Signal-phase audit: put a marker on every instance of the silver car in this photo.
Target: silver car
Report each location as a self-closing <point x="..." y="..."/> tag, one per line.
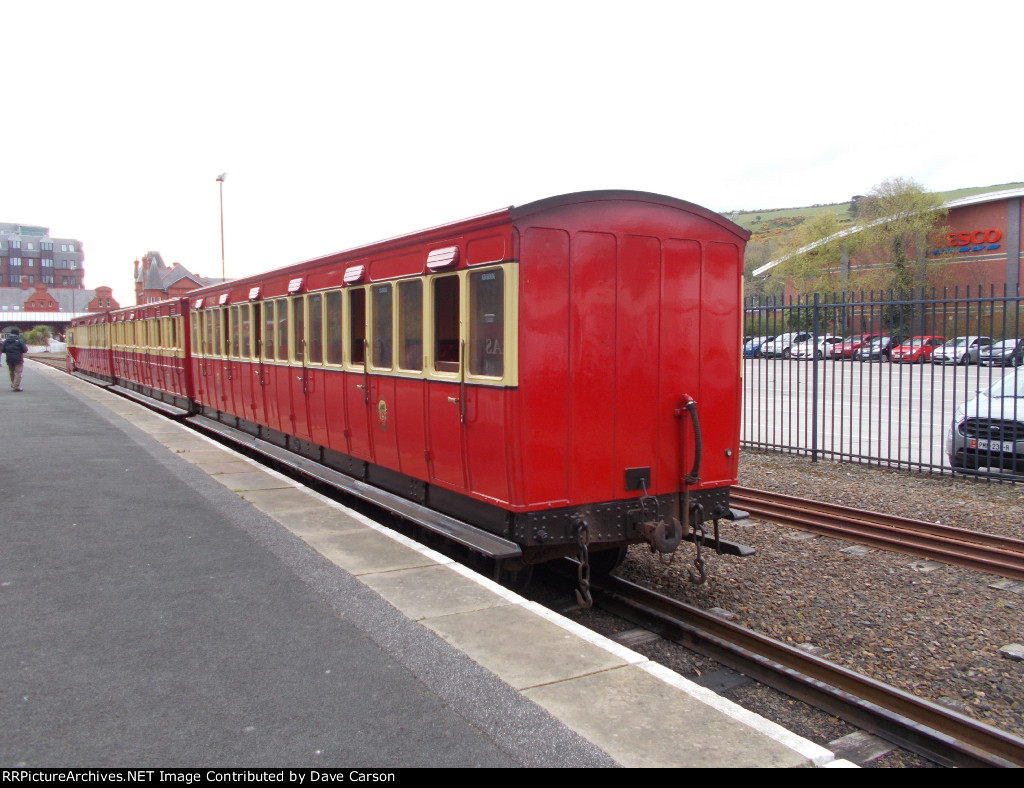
<point x="989" y="429"/>
<point x="1008" y="353"/>
<point x="961" y="350"/>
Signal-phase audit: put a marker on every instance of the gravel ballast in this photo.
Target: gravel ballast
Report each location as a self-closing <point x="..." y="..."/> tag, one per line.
<point x="945" y="633"/>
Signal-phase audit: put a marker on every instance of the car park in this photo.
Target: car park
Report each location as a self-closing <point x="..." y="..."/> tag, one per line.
<point x="989" y="429"/>
<point x="782" y="345"/>
<point x="916" y="349"/>
<point x="960" y="350"/>
<point x="752" y="347"/>
<point x="1006" y="353"/>
<point x="807" y="349"/>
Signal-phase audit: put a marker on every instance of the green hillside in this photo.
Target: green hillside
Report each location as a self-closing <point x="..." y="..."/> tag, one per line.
<point x="770" y="222"/>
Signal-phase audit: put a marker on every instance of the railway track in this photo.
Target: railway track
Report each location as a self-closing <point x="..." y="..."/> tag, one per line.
<point x="939" y="734"/>
<point x="986" y="552"/>
<point x="932" y="731"/>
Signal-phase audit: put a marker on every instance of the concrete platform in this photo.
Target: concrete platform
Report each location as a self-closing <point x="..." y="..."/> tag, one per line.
<point x="167" y="601"/>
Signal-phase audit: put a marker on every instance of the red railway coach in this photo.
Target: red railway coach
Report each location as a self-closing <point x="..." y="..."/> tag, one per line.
<point x="564" y="375"/>
<point x="144" y="350"/>
<point x="88" y="340"/>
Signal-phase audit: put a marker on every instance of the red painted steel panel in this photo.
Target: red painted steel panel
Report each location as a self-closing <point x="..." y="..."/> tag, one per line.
<point x="384" y="421"/>
<point x="720" y="392"/>
<point x="359" y="422"/>
<point x="636" y="357"/>
<point x="300" y="388"/>
<point x="445" y="436"/>
<point x="593" y="382"/>
<point x="485" y="250"/>
<point x="681" y="356"/>
<point x="317" y="405"/>
<point x="397" y="265"/>
<point x="544" y="364"/>
<point x="409" y="422"/>
<point x="486" y="436"/>
<point x="335" y="421"/>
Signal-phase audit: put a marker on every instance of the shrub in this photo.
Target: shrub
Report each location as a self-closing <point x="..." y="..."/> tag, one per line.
<point x="37" y="335"/>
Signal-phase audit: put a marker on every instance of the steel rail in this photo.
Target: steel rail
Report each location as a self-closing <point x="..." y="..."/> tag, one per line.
<point x="940" y="734"/>
<point x="986" y="552"/>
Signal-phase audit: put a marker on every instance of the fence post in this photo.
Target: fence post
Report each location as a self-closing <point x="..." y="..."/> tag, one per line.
<point x="816" y="327"/>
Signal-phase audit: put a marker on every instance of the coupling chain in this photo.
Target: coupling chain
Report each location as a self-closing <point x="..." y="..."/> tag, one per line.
<point x="583" y="596"/>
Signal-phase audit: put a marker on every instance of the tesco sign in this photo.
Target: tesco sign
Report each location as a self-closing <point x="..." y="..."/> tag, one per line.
<point x="970" y="241"/>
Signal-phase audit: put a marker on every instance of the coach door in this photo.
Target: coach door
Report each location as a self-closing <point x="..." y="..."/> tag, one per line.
<point x="257" y="376"/>
<point x="269" y="363"/>
<point x="300" y="382"/>
<point x="447" y="391"/>
<point x="357" y="376"/>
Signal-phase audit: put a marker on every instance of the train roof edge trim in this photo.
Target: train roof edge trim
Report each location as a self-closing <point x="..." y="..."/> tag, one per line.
<point x="601" y="195"/>
<point x="439" y="231"/>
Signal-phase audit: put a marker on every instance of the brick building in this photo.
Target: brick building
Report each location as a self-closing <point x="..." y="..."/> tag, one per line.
<point x="155" y="280"/>
<point x="42" y="279"/>
<point x="29" y="252"/>
<point x="979" y="245"/>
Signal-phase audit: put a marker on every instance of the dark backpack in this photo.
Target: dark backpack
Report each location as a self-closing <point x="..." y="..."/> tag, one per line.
<point x="14" y="348"/>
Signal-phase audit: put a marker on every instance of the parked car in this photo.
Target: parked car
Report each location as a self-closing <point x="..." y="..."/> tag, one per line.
<point x="851" y="345"/>
<point x="917" y="349"/>
<point x="752" y="347"/>
<point x="960" y="350"/>
<point x="989" y="429"/>
<point x="1008" y="353"/>
<point x="782" y="345"/>
<point x="807" y="349"/>
<point x="878" y="349"/>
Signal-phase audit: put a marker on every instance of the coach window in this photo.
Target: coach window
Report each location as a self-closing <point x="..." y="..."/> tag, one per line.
<point x="208" y="332"/>
<point x="236" y="335"/>
<point x="410" y="325"/>
<point x="446" y="323"/>
<point x="382" y="313"/>
<point x="487" y="323"/>
<point x="316" y="329"/>
<point x="299" y="327"/>
<point x="268" y="331"/>
<point x="219" y="330"/>
<point x="245" y="350"/>
<point x="194" y="319"/>
<point x="334" y="323"/>
<point x="357" y="326"/>
<point x="282" y="329"/>
<point x="225" y="319"/>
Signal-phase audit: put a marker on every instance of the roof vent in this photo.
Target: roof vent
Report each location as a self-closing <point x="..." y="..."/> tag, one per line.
<point x="439" y="259"/>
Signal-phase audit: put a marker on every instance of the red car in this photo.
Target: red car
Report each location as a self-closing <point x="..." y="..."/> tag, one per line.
<point x="850" y="345"/>
<point x="917" y="349"/>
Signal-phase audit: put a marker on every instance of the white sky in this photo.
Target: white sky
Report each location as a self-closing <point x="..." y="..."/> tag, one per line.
<point x="342" y="123"/>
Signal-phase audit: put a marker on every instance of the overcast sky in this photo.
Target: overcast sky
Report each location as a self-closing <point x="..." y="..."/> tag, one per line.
<point x="342" y="123"/>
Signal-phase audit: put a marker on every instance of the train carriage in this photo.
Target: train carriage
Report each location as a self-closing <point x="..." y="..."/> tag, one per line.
<point x="561" y="374"/>
<point x="88" y="340"/>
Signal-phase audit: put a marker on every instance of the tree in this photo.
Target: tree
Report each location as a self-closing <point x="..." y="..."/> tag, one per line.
<point x="897" y="216"/>
<point x="889" y="240"/>
<point x="37" y="335"/>
<point x="811" y="255"/>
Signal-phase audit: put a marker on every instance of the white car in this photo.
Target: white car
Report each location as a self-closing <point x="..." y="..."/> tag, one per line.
<point x="989" y="429"/>
<point x="961" y="350"/>
<point x="782" y="345"/>
<point x="806" y="349"/>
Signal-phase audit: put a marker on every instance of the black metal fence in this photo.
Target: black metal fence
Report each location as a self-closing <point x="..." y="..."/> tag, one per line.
<point x="874" y="378"/>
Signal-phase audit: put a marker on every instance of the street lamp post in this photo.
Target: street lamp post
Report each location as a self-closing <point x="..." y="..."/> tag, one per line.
<point x="220" y="180"/>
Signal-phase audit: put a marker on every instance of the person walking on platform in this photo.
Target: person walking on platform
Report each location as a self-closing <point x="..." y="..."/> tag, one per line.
<point x="14" y="348"/>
